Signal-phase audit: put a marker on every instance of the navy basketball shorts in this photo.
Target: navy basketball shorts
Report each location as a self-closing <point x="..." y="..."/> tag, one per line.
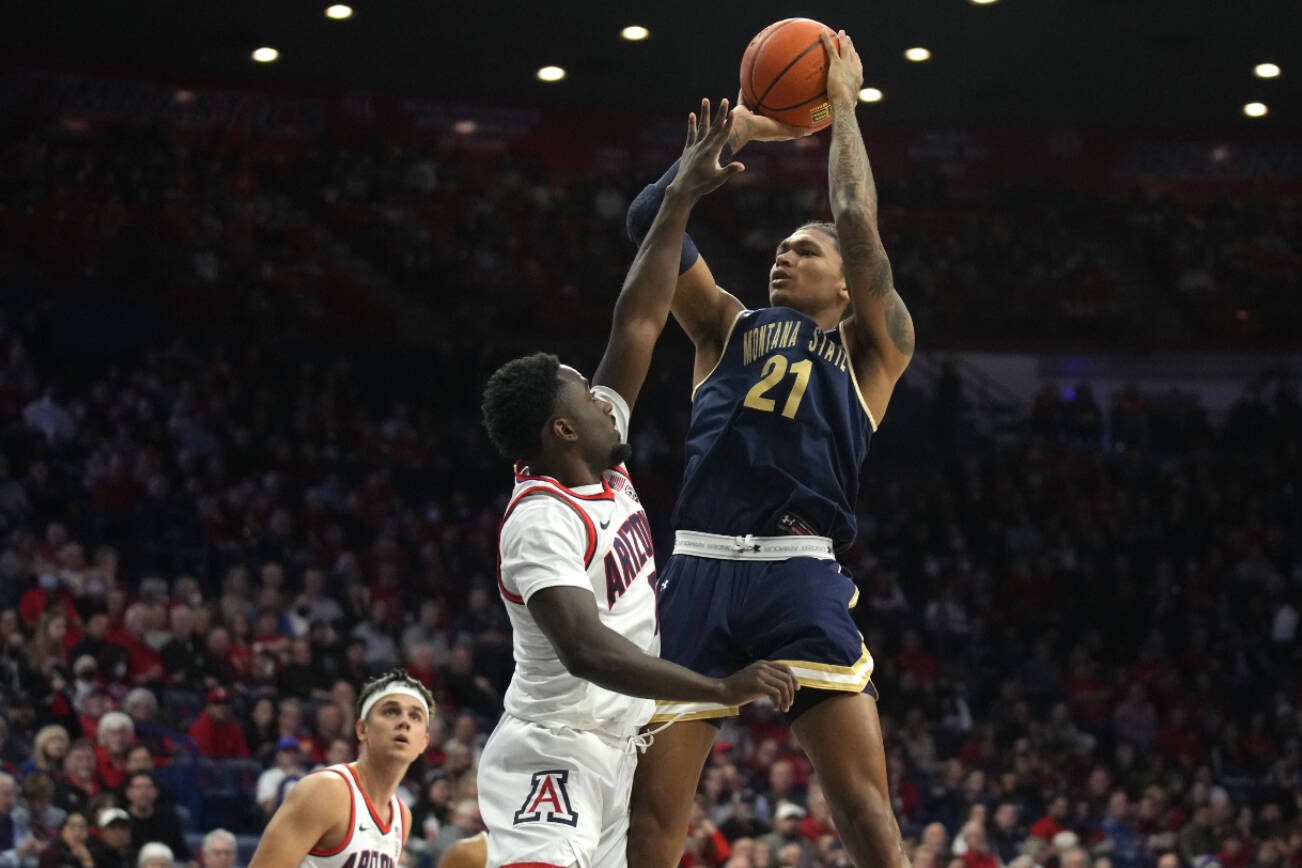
<point x="719" y="615"/>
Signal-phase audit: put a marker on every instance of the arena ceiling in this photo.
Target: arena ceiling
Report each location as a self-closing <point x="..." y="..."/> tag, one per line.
<point x="1174" y="64"/>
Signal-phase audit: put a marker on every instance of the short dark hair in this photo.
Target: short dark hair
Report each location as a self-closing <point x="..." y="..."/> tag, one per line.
<point x="519" y="398"/>
<point x="397" y="675"/>
<point x="822" y="226"/>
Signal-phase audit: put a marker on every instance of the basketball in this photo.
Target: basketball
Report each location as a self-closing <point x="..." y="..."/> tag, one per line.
<point x="784" y="73"/>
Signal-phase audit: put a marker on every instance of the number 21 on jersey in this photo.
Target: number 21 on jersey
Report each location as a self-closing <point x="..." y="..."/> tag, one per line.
<point x="776" y="368"/>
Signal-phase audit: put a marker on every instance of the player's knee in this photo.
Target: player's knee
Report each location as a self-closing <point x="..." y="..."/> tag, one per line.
<point x="645" y="823"/>
<point x="650" y="839"/>
<point x="863" y="805"/>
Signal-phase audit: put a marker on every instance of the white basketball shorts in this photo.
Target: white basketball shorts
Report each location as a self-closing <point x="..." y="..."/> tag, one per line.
<point x="555" y="797"/>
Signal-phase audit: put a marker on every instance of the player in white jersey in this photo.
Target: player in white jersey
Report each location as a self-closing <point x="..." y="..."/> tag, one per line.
<point x="576" y="571"/>
<point x="347" y="815"/>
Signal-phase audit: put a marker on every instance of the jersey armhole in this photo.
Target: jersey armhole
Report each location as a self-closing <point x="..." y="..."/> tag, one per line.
<point x="723" y="351"/>
<point x="854" y="378"/>
<point x="352" y="818"/>
<point x="544" y="491"/>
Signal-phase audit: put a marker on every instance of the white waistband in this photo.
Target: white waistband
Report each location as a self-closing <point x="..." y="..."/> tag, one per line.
<point x="750" y="547"/>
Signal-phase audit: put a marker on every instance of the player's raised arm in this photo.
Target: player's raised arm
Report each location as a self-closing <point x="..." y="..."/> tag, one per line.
<point x="309" y="812"/>
<point x="881" y="329"/>
<point x="643" y="305"/>
<point x="702" y="308"/>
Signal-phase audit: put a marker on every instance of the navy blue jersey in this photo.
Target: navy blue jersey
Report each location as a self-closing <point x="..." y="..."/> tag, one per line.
<point x="779" y="432"/>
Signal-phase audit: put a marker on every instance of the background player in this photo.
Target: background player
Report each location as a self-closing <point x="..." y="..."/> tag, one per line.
<point x="348" y="814"/>
<point x="785" y="403"/>
<point x="577" y="572"/>
<point x="469" y="852"/>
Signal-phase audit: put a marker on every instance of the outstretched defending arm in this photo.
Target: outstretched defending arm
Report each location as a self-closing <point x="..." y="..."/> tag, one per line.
<point x="881" y="330"/>
<point x="643" y="305"/>
<point x="702" y="308"/>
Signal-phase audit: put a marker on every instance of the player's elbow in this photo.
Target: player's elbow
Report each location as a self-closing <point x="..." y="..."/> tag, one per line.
<point x="573" y="655"/>
<point x="853" y="219"/>
<point x="587" y="659"/>
<point x="641" y="213"/>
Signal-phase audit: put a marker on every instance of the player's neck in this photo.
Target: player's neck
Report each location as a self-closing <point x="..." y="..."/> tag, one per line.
<point x="826" y="320"/>
<point x="569" y="470"/>
<point x="380" y="780"/>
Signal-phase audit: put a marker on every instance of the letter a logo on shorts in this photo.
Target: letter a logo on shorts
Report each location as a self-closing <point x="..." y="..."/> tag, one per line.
<point x="548" y="800"/>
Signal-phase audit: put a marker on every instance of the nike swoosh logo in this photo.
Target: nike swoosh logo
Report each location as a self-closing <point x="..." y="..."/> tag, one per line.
<point x="361" y="828"/>
<point x="605" y="524"/>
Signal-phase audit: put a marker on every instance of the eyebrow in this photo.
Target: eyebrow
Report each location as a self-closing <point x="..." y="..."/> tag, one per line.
<point x="390" y="703"/>
<point x="787" y="243"/>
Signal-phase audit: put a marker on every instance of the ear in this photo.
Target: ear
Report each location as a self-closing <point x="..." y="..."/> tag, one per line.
<point x="563" y="430"/>
<point x="359" y="729"/>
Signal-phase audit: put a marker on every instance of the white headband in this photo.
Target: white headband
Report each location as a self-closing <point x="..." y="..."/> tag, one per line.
<point x="396" y="689"/>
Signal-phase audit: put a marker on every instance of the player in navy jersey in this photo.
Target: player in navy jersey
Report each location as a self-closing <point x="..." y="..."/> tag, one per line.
<point x="785" y="403"/>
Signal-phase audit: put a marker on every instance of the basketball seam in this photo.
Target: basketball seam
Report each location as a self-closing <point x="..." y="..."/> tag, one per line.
<point x="755" y="62"/>
<point x="787" y="108"/>
<point x="785" y="70"/>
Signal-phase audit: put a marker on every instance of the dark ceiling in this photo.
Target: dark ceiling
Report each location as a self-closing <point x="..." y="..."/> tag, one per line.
<point x="1173" y="64"/>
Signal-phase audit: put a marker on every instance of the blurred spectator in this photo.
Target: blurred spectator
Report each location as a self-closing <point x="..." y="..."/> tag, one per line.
<point x="78" y="781"/>
<point x="432" y="806"/>
<point x="69" y="849"/>
<point x="36" y="815"/>
<point x="219" y="849"/>
<point x="185" y="657"/>
<point x="142" y="705"/>
<point x="464" y="822"/>
<point x="112" y="848"/>
<point x="1052" y="822"/>
<point x="976" y="851"/>
<point x="17" y="843"/>
<point x="1006" y="833"/>
<point x="155" y="855"/>
<point x="110" y="658"/>
<point x="151" y="822"/>
<point x="215" y="732"/>
<point x="260" y="729"/>
<point x="786" y="831"/>
<point x="274" y="783"/>
<point x="48" y="750"/>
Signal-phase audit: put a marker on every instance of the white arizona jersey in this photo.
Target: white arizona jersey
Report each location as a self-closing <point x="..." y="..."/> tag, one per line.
<point x="369" y="843"/>
<point x="595" y="537"/>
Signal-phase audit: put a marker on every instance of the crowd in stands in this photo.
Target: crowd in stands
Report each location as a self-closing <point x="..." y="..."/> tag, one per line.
<point x="1086" y="637"/>
<point x="472" y="229"/>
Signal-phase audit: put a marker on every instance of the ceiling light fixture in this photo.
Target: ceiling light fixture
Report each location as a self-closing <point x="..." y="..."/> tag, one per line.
<point x="635" y="33"/>
<point x="266" y="54"/>
<point x="1256" y="110"/>
<point x="917" y="54"/>
<point x="870" y="94"/>
<point x="339" y="11"/>
<point x="550" y="73"/>
<point x="1266" y="70"/>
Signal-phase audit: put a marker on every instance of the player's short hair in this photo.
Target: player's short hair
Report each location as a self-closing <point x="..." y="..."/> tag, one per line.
<point x="519" y="399"/>
<point x="825" y="227"/>
<point x="378" y="685"/>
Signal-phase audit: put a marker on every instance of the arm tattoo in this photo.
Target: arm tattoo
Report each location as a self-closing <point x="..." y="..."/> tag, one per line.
<point x="899" y="325"/>
<point x="850" y="177"/>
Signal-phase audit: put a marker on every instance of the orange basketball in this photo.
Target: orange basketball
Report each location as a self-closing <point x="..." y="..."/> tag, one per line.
<point x="784" y="73"/>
